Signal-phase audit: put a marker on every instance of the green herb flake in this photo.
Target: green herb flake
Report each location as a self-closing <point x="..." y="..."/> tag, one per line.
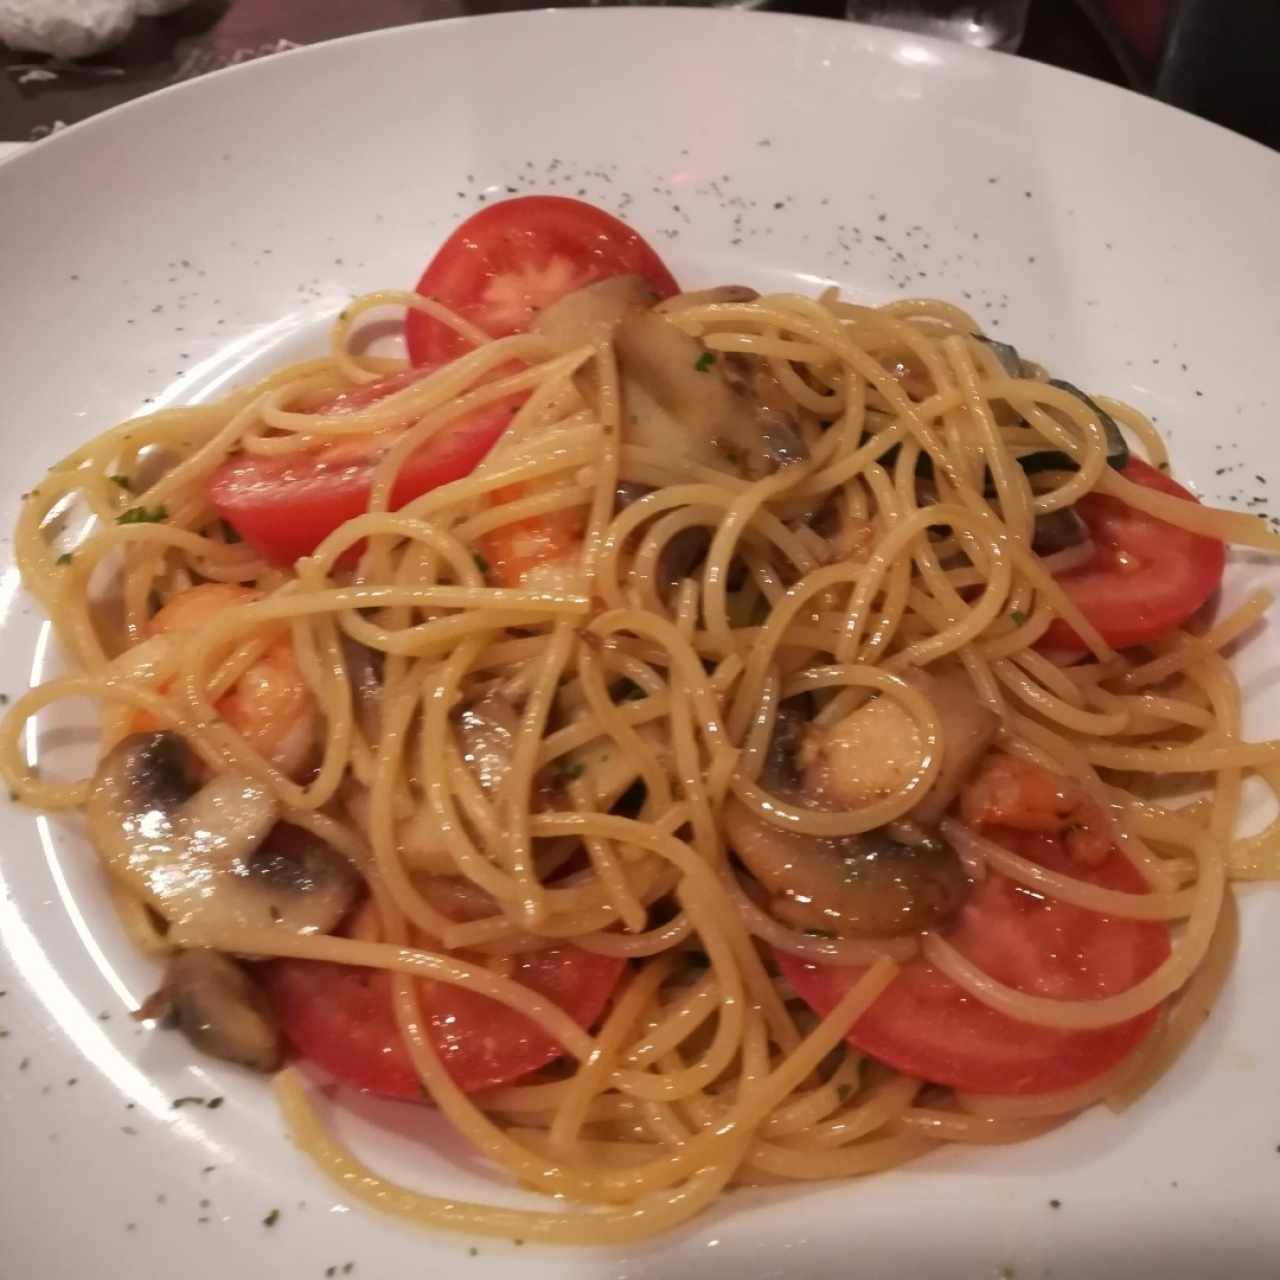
<point x="123" y="481"/>
<point x="704" y="362"/>
<point x="190" y="1100"/>
<point x="143" y="515"/>
<point x="1018" y="617"/>
<point x="631" y="692"/>
<point x="820" y="933"/>
<point x="64" y="558"/>
<point x="214" y="1103"/>
<point x="272" y="1218"/>
<point x="574" y="771"/>
<point x="844" y="1092"/>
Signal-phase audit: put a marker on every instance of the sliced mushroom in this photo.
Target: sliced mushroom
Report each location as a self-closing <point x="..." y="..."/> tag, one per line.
<point x="364" y="670"/>
<point x="588" y="316"/>
<point x="883" y="882"/>
<point x="683" y="554"/>
<point x="219" y="1008"/>
<point x="721" y="294"/>
<point x="1058" y="531"/>
<point x="867" y="886"/>
<point x="487" y="730"/>
<point x="627" y="492"/>
<point x="877" y="749"/>
<point x="678" y="398"/>
<point x="200" y="854"/>
<point x="969" y="727"/>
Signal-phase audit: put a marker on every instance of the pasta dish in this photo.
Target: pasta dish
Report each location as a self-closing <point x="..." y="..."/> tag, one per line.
<point x="690" y="738"/>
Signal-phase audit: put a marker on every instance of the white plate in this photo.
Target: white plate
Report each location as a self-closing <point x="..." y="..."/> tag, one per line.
<point x="174" y="246"/>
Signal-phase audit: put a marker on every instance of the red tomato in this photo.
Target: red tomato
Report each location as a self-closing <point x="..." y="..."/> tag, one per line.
<point x="925" y="1026"/>
<point x="1146" y="576"/>
<point x="341" y="1018"/>
<point x="284" y="507"/>
<point x="512" y="260"/>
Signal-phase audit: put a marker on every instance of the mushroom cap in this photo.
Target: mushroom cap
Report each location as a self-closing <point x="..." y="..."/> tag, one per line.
<point x="200" y="854"/>
<point x="219" y="1008"/>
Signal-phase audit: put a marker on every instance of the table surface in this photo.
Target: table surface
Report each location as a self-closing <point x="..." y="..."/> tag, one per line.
<point x="208" y="34"/>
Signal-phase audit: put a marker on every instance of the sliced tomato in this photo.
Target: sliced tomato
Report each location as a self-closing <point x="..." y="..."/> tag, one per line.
<point x="285" y="506"/>
<point x="510" y="261"/>
<point x="926" y="1026"/>
<point x="341" y="1019"/>
<point x="1146" y="577"/>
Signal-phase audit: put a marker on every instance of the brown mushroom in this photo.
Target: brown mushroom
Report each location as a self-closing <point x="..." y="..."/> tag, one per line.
<point x="219" y="1008"/>
<point x="866" y="886"/>
<point x="720" y="295"/>
<point x="200" y="854"/>
<point x="487" y="731"/>
<point x="678" y="399"/>
<point x="883" y="882"/>
<point x="588" y="316"/>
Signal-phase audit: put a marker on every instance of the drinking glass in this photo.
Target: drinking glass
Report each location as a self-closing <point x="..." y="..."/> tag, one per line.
<point x="995" y="25"/>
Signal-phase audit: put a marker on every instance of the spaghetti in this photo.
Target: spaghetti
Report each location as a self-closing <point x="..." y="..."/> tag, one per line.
<point x="654" y="721"/>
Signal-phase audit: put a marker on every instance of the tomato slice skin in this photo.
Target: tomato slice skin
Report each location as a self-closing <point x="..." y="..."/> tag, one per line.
<point x="513" y="259"/>
<point x="285" y="506"/>
<point x="1146" y="577"/>
<point x="926" y="1026"/>
<point x="341" y="1019"/>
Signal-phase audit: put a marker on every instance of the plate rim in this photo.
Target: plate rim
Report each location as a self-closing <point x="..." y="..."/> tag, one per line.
<point x="872" y="37"/>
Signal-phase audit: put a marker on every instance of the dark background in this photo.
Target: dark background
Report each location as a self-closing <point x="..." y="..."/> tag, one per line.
<point x="1219" y="58"/>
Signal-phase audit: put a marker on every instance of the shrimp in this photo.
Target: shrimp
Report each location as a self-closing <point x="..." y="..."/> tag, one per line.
<point x="538" y="551"/>
<point x="270" y="705"/>
<point x="1010" y="792"/>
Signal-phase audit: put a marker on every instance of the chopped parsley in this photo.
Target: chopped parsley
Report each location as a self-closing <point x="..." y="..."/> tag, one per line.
<point x="143" y="515"/>
<point x="195" y="1100"/>
<point x="820" y="933"/>
<point x="1018" y="617"/>
<point x="272" y="1218"/>
<point x="844" y="1092"/>
<point x="572" y="772"/>
<point x="631" y="691"/>
<point x="123" y="481"/>
<point x="704" y="362"/>
<point x="64" y="558"/>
